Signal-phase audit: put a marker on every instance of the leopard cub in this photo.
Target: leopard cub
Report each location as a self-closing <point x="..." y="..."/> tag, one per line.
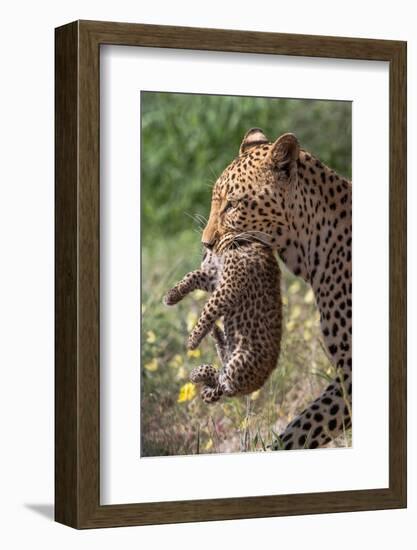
<point x="245" y="287"/>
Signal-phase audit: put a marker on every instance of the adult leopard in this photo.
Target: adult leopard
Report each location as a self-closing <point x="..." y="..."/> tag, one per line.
<point x="281" y="194"/>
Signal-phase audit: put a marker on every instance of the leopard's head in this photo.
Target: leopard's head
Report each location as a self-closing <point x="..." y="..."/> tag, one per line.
<point x="249" y="198"/>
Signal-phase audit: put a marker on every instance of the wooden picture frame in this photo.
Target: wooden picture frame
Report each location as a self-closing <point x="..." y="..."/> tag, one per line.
<point x="77" y="374"/>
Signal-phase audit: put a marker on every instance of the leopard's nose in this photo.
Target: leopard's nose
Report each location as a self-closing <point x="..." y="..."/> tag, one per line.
<point x="209" y="236"/>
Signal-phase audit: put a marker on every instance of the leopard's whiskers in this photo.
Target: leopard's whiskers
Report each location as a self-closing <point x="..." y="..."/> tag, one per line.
<point x="253" y="235"/>
<point x="202" y="218"/>
<point x="195" y="219"/>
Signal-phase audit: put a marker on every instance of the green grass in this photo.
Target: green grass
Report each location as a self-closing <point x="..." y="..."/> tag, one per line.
<point x="187" y="141"/>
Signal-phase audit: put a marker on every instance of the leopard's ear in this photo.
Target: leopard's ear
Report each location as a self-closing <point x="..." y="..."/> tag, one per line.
<point x="254" y="136"/>
<point x="285" y="150"/>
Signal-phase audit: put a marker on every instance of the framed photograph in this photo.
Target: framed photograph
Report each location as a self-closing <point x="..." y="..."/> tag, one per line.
<point x="219" y="277"/>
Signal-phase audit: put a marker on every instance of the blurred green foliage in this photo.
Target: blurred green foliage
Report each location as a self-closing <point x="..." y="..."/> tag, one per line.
<point x="188" y="140"/>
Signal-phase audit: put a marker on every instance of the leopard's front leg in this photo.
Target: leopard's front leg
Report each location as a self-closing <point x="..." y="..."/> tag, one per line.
<point x="194" y="280"/>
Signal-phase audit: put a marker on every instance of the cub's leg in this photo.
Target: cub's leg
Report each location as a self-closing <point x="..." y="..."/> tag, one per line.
<point x="223" y="299"/>
<point x="216" y="306"/>
<point x="238" y="375"/>
<point x="194" y="280"/>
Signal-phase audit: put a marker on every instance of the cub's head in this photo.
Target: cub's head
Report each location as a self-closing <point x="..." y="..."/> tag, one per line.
<point x="249" y="198"/>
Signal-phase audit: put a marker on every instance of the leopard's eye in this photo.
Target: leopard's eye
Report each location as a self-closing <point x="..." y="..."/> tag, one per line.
<point x="227" y="207"/>
<point x="230" y="204"/>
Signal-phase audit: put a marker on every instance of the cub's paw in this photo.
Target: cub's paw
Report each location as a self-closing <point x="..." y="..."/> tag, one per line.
<point x="205" y="374"/>
<point x="192" y="341"/>
<point x="171" y="297"/>
<point x="210" y="395"/>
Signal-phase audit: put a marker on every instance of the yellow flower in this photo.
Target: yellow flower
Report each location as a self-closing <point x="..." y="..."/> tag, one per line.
<point x="255" y="395"/>
<point x="309" y="296"/>
<point x="290" y="326"/>
<point x="294" y="287"/>
<point x="307" y="335"/>
<point x="208" y="445"/>
<point x="199" y="294"/>
<point x="152" y="366"/>
<point x="187" y="392"/>
<point x="295" y="312"/>
<point x="176" y="361"/>
<point x="194" y="353"/>
<point x="191" y="321"/>
<point x="150" y="337"/>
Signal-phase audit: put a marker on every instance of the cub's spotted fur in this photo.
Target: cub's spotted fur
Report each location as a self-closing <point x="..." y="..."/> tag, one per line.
<point x="245" y="285"/>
